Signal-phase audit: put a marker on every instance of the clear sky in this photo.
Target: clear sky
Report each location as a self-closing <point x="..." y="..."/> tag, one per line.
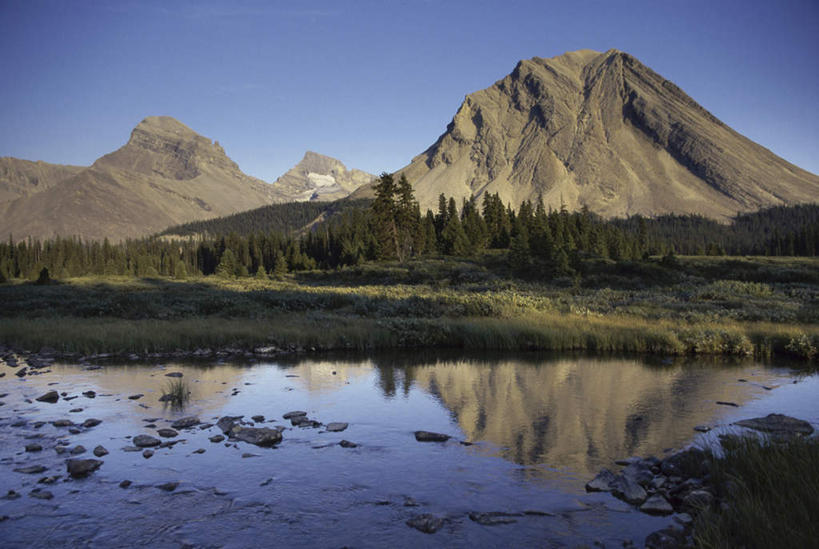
<point x="372" y="83"/>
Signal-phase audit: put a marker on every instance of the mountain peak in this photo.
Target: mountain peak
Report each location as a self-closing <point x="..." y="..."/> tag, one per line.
<point x="165" y="147"/>
<point x="318" y="177"/>
<point x="605" y="131"/>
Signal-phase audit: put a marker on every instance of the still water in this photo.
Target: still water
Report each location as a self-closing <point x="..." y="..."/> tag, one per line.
<point x="539" y="427"/>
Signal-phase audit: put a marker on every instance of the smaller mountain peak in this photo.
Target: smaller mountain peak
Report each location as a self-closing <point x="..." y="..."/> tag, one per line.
<point x="164" y="124"/>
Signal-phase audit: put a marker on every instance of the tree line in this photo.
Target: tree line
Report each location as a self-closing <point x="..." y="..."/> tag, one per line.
<point x="535" y="241"/>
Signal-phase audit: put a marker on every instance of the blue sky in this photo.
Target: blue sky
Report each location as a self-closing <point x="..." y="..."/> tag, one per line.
<point x="372" y="83"/>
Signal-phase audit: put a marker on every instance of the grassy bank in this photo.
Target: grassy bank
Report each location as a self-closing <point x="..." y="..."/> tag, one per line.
<point x="769" y="307"/>
<point x="771" y="495"/>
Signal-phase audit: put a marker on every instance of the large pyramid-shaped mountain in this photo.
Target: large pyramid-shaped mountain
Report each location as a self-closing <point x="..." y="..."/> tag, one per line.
<point x="602" y="130"/>
<point x="165" y="175"/>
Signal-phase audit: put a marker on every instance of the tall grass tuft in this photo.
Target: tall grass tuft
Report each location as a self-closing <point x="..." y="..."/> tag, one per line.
<point x="770" y="491"/>
<point x="177" y="392"/>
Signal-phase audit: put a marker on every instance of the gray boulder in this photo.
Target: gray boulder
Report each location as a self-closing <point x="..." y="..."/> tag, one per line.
<point x="80" y="468"/>
<point x="260" y="436"/>
<point x="426" y="523"/>
<point x="602" y="482"/>
<point x="776" y="424"/>
<point x="185" y="422"/>
<point x="50" y="397"/>
<point x="428" y="436"/>
<point x="336" y="427"/>
<point x="145" y="441"/>
<point x="628" y="490"/>
<point x="657" y="505"/>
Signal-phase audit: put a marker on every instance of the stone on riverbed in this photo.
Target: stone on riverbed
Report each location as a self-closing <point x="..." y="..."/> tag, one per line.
<point x="174" y="374"/>
<point x="33" y="448"/>
<point x="91" y="422"/>
<point x="628" y="490"/>
<point x="167" y="433"/>
<point x="50" y="397"/>
<point x="336" y="427"/>
<point x="217" y="438"/>
<point x="79" y="468"/>
<point x="657" y="505"/>
<point x="291" y="415"/>
<point x="100" y="451"/>
<point x="185" y="422"/>
<point x="602" y="482"/>
<point x="226" y="423"/>
<point x="778" y="425"/>
<point x="426" y="523"/>
<point x="260" y="436"/>
<point x="428" y="436"/>
<point x="31" y="470"/>
<point x="145" y="441"/>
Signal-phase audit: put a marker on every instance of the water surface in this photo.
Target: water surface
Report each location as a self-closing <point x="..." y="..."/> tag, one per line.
<point x="538" y="427"/>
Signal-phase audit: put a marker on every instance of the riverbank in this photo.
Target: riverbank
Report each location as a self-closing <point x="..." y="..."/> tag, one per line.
<point x="760" y="307"/>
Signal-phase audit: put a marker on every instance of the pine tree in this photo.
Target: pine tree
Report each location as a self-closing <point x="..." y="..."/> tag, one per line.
<point x="227" y="265"/>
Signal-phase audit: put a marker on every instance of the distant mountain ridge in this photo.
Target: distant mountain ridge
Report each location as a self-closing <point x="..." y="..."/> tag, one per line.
<point x="165" y="175"/>
<point x="318" y="177"/>
<point x="604" y="131"/>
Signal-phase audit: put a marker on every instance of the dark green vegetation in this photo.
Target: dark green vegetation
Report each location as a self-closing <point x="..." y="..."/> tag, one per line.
<point x="176" y="391"/>
<point x="771" y="494"/>
<point x="537" y="244"/>
<point x="705" y="305"/>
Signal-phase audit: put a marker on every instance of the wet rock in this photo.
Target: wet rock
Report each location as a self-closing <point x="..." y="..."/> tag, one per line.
<point x="304" y="421"/>
<point x="216" y="438"/>
<point x="100" y="451"/>
<point x="493" y="518"/>
<point x="226" y="423"/>
<point x="260" y="436"/>
<point x="702" y="428"/>
<point x="428" y="436"/>
<point x="74" y="430"/>
<point x="60" y="450"/>
<point x="199" y="451"/>
<point x="639" y="472"/>
<point x="125" y="484"/>
<point x="410" y="502"/>
<point x="657" y="505"/>
<point x="146" y="441"/>
<point x="91" y="422"/>
<point x="50" y="397"/>
<point x="49" y="480"/>
<point x="168" y="486"/>
<point x="89" y="394"/>
<point x="75" y="410"/>
<point x="11" y="495"/>
<point x="667" y="538"/>
<point x="336" y="427"/>
<point x="167" y="433"/>
<point x="347" y="444"/>
<point x="426" y="523"/>
<point x="80" y="468"/>
<point x="174" y="374"/>
<point x="291" y="415"/>
<point x="41" y="494"/>
<point x="628" y="490"/>
<point x="147" y="454"/>
<point x="778" y="425"/>
<point x="171" y="443"/>
<point x="690" y="463"/>
<point x="22" y="372"/>
<point x="77" y="450"/>
<point x="30" y="470"/>
<point x="249" y="455"/>
<point x="136" y="396"/>
<point x="725" y="403"/>
<point x="34" y="448"/>
<point x="258" y="419"/>
<point x="684" y="519"/>
<point x="602" y="482"/>
<point x="698" y="499"/>
<point x="185" y="422"/>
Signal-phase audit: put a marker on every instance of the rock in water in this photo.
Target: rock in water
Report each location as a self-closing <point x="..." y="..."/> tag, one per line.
<point x="50" y="397"/>
<point x="91" y="422"/>
<point x="336" y="427"/>
<point x="428" y="436"/>
<point x="628" y="490"/>
<point x="100" y="451"/>
<point x="31" y="470"/>
<point x="291" y="415"/>
<point x="426" y="523"/>
<point x="227" y="423"/>
<point x="602" y="482"/>
<point x="657" y="505"/>
<point x="260" y="436"/>
<point x="778" y="425"/>
<point x="167" y="433"/>
<point x="146" y="441"/>
<point x="185" y="422"/>
<point x="79" y="468"/>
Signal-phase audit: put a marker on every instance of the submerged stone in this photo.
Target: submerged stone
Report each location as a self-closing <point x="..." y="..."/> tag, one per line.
<point x="80" y="468"/>
<point x="428" y="436"/>
<point x="778" y="425"/>
<point x="426" y="523"/>
<point x="50" y="397"/>
<point x="602" y="482"/>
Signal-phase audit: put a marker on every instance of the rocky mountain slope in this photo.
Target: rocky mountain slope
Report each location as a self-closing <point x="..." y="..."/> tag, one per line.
<point x="165" y="175"/>
<point x="24" y="178"/>
<point x="602" y="130"/>
<point x="318" y="177"/>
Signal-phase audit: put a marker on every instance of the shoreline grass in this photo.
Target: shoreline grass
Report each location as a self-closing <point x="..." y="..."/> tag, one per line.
<point x="770" y="494"/>
<point x="324" y="331"/>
